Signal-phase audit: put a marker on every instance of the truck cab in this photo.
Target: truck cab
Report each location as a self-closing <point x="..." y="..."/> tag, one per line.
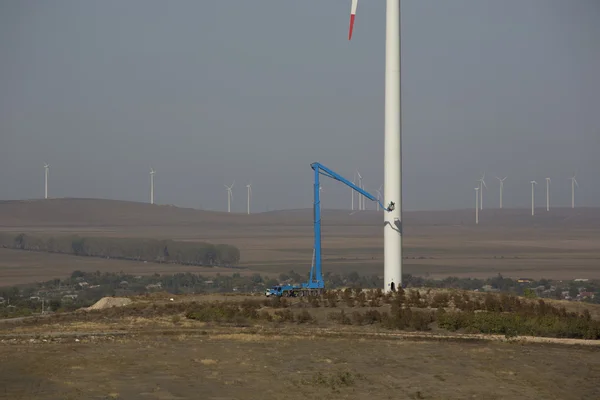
<point x="279" y="290"/>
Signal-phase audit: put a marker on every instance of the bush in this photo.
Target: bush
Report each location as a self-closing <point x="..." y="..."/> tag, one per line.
<point x="285" y="315"/>
<point x="304" y="317"/>
<point x="371" y="317"/>
<point x="440" y="300"/>
<point x="361" y="299"/>
<point x="339" y="317"/>
<point x="315" y="302"/>
<point x="265" y="316"/>
<point x="357" y="318"/>
<point x="511" y="324"/>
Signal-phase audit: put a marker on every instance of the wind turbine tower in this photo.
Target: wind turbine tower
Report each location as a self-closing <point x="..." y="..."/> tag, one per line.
<point x="152" y="172"/>
<point x="533" y="183"/>
<point x="352" y="191"/>
<point x="360" y="196"/>
<point x="249" y="187"/>
<point x="229" y="196"/>
<point x="501" y="189"/>
<point x="379" y="196"/>
<point x="46" y="170"/>
<point x="477" y="205"/>
<point x="548" y="194"/>
<point x="392" y="230"/>
<point x="573" y="184"/>
<point x="481" y="186"/>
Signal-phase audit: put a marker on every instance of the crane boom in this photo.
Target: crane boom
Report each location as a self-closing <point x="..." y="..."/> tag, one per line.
<point x="316" y="282"/>
<point x="316" y="274"/>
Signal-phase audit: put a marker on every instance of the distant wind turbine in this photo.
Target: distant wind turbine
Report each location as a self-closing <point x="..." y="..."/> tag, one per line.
<point x="573" y="184"/>
<point x="249" y="187"/>
<point x="229" y="196"/>
<point x="379" y="196"/>
<point x="360" y="197"/>
<point x="548" y="194"/>
<point x="152" y="172"/>
<point x="477" y="205"/>
<point x="46" y="170"/>
<point x="533" y="183"/>
<point x="352" y="190"/>
<point x="501" y="189"/>
<point x="481" y="186"/>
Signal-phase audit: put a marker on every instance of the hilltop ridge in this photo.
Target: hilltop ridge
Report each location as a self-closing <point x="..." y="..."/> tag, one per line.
<point x="79" y="212"/>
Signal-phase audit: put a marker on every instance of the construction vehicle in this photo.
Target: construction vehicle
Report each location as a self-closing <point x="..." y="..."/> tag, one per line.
<point x="316" y="285"/>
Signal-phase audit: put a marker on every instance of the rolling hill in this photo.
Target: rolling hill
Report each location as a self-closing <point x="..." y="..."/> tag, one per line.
<point x="102" y="213"/>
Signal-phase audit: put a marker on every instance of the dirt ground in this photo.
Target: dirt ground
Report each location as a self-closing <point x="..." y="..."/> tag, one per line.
<point x="235" y="366"/>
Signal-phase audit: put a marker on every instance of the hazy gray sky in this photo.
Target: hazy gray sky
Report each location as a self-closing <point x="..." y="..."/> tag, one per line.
<point x="212" y="91"/>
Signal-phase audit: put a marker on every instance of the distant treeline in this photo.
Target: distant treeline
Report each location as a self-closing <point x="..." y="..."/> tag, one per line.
<point x="138" y="249"/>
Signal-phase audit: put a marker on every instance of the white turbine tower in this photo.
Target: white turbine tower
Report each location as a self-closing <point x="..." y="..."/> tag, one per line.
<point x="229" y="196"/>
<point x="249" y="187"/>
<point x="533" y="183"/>
<point x="392" y="230"/>
<point x="548" y="194"/>
<point x="352" y="191"/>
<point x="152" y="172"/>
<point x="379" y="196"/>
<point x="360" y="196"/>
<point x="46" y="170"/>
<point x="501" y="189"/>
<point x="481" y="186"/>
<point x="477" y="205"/>
<point x="573" y="184"/>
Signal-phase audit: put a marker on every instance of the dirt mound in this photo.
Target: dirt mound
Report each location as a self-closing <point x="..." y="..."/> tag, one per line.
<point x="109" y="302"/>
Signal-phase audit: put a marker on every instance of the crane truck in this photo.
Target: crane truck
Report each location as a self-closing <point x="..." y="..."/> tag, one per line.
<point x="316" y="285"/>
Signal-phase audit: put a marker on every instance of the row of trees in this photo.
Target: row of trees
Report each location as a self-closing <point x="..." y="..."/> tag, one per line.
<point x="153" y="250"/>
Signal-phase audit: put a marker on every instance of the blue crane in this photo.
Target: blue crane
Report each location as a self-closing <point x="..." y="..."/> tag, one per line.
<point x="316" y="284"/>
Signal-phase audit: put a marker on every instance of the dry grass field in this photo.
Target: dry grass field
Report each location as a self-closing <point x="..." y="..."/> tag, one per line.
<point x="562" y="244"/>
<point x="107" y="355"/>
<point x="218" y="367"/>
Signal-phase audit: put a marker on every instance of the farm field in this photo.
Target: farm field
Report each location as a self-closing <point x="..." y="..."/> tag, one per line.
<point x="564" y="245"/>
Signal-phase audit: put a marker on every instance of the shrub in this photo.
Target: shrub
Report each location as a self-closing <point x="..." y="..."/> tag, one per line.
<point x="265" y="316"/>
<point x="339" y="317"/>
<point x="361" y="299"/>
<point x="414" y="298"/>
<point x="358" y="318"/>
<point x="285" y="315"/>
<point x="420" y="320"/>
<point x="371" y="317"/>
<point x="304" y="317"/>
<point x="440" y="300"/>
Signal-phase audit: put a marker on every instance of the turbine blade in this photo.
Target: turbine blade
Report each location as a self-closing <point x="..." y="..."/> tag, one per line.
<point x="352" y="17"/>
